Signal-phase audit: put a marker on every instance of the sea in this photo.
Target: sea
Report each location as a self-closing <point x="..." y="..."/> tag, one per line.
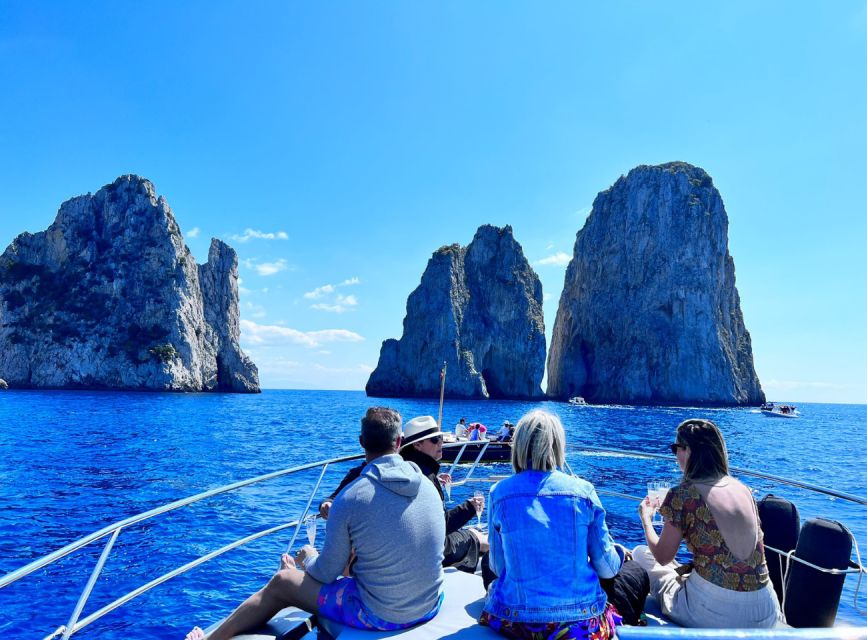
<point x="75" y="461"/>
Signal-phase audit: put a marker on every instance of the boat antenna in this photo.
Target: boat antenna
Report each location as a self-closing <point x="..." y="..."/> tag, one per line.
<point x="442" y="393"/>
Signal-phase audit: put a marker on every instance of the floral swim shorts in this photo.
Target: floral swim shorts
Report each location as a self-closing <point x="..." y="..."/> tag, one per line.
<point x="598" y="628"/>
<point x="341" y="601"/>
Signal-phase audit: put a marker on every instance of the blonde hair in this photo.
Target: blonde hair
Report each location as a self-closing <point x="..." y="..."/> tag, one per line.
<point x="539" y="442"/>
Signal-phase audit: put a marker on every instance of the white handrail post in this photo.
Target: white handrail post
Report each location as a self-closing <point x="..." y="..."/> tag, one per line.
<point x="456" y="460"/>
<point x="70" y="626"/>
<point x="307" y="508"/>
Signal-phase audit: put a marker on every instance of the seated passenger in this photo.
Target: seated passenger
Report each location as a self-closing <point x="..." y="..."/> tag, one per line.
<point x="549" y="544"/>
<point x="461" y="429"/>
<point x="423" y="445"/>
<point x="505" y="432"/>
<point x="717" y="517"/>
<point x="390" y="516"/>
<point x="477" y="431"/>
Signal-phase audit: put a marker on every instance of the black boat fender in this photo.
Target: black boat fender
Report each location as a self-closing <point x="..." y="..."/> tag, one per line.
<point x="780" y="526"/>
<point x="812" y="596"/>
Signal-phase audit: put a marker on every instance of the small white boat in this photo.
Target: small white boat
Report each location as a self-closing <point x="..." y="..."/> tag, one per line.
<point x="577" y="400"/>
<point x="780" y="410"/>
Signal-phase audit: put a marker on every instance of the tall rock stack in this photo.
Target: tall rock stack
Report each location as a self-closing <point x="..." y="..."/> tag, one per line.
<point x="110" y="297"/>
<point x="479" y="309"/>
<point x="649" y="312"/>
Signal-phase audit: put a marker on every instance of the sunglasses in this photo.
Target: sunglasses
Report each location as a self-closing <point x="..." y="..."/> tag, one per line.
<point x="436" y="439"/>
<point x="675" y="446"/>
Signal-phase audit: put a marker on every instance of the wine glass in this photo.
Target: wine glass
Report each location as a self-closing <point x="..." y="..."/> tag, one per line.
<point x="656" y="492"/>
<point x="311" y="530"/>
<point x="479" y="507"/>
<point x="447" y="488"/>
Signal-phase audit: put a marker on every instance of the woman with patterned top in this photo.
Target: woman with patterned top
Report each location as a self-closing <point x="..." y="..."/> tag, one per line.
<point x="716" y="516"/>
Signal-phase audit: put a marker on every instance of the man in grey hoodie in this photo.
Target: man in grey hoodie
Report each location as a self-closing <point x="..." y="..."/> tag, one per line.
<point x="391" y="517"/>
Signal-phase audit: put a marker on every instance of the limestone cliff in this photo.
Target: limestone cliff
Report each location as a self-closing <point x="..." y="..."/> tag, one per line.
<point x="479" y="309"/>
<point x="109" y="296"/>
<point x="649" y="312"/>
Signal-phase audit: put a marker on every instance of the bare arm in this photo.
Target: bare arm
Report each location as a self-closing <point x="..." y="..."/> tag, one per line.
<point x="663" y="547"/>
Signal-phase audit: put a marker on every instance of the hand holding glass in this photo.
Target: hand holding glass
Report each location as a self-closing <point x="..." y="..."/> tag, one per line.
<point x="656" y="492"/>
<point x="446" y="482"/>
<point x="479" y="501"/>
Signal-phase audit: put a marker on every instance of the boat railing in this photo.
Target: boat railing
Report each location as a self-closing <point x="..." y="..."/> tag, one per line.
<point x="76" y="623"/>
<point x="855" y="568"/>
<point x="112" y="531"/>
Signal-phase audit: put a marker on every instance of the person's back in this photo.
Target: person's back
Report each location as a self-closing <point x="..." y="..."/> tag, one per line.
<point x="562" y="515"/>
<point x="720" y="527"/>
<point x="549" y="544"/>
<point x="392" y="515"/>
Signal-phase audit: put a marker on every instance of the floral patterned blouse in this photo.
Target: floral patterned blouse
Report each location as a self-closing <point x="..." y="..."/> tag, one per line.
<point x="686" y="509"/>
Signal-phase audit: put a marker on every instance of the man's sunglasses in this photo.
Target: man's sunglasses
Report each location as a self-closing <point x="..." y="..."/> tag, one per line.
<point x="675" y="446"/>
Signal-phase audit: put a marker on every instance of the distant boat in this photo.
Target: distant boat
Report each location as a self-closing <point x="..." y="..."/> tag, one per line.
<point x="780" y="410"/>
<point x="468" y="451"/>
<point x="577" y="400"/>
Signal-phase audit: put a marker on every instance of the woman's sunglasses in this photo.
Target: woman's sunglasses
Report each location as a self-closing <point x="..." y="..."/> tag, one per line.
<point x="674" y="447"/>
<point x="436" y="439"/>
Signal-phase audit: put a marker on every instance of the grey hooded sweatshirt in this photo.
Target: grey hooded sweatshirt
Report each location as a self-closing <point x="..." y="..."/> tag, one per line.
<point x="392" y="516"/>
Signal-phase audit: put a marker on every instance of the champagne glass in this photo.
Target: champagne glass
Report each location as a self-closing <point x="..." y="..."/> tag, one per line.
<point x="447" y="488"/>
<point x="311" y="530"/>
<point x="479" y="508"/>
<point x="656" y="492"/>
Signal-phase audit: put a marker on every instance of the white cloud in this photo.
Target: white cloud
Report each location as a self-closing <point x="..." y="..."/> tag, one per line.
<point x="194" y="232"/>
<point x="546" y="296"/>
<point x="250" y="234"/>
<point x="359" y="368"/>
<point x="560" y="259"/>
<point x="242" y="289"/>
<point x="341" y="304"/>
<point x="253" y="310"/>
<point x="318" y="292"/>
<point x="273" y="335"/>
<point x="270" y="268"/>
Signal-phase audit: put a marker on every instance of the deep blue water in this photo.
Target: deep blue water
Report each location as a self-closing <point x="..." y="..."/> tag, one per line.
<point x="73" y="462"/>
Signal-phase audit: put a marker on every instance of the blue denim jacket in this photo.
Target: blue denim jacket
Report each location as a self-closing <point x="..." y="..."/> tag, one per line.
<point x="549" y="547"/>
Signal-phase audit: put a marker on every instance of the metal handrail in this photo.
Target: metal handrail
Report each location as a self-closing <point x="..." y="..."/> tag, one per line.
<point x="14" y="576"/>
<point x="748" y="472"/>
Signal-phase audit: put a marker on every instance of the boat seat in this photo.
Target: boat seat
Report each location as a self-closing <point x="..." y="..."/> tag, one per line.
<point x="289" y="624"/>
<point x="456" y="620"/>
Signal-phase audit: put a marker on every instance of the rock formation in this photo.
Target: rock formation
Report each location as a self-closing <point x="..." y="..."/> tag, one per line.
<point x="479" y="309"/>
<point x="649" y="312"/>
<point x="110" y="297"/>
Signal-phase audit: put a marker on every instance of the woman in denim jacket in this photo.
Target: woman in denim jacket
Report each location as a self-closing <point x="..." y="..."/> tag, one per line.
<point x="555" y="592"/>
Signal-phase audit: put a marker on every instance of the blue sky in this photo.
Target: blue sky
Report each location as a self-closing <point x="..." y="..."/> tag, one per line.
<point x="337" y="145"/>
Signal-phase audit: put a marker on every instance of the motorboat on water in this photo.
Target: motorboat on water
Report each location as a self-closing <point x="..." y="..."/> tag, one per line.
<point x="463" y="592"/>
<point x="778" y="410"/>
<point x="468" y="451"/>
<point x="577" y="400"/>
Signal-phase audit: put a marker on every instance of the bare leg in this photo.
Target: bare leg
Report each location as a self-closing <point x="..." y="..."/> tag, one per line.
<point x="289" y="587"/>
